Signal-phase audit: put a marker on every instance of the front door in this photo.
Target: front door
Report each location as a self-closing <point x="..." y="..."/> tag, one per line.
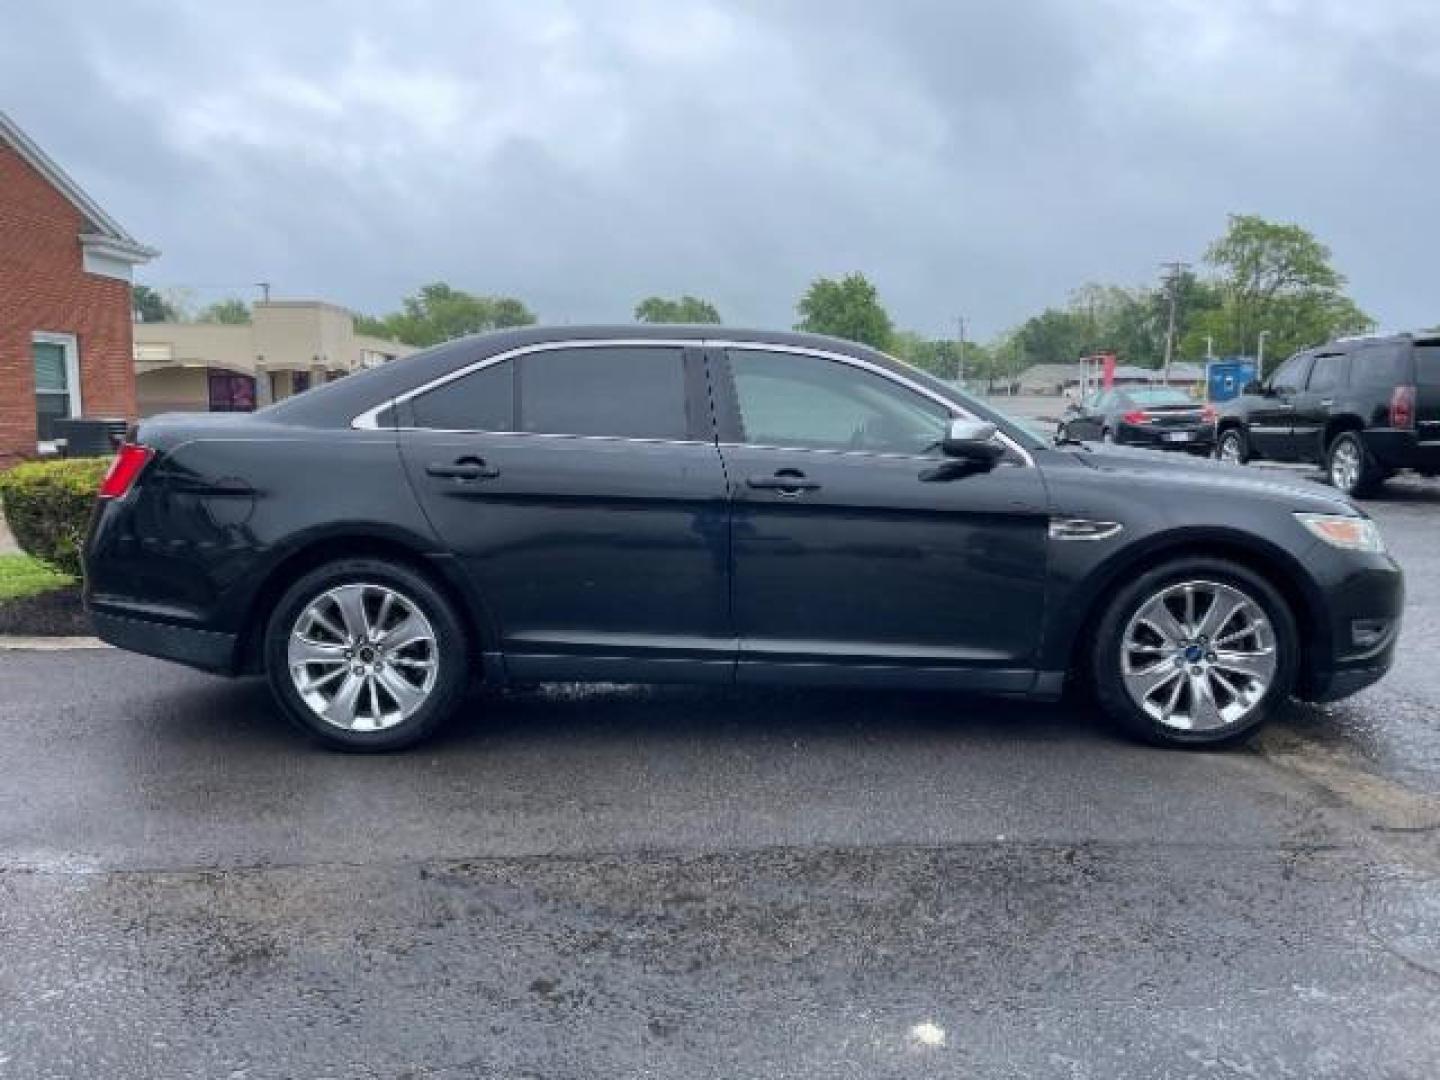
<point x="854" y="548"/>
<point x="1088" y="421"/>
<point x="1329" y="379"/>
<point x="1272" y="419"/>
<point x="582" y="490"/>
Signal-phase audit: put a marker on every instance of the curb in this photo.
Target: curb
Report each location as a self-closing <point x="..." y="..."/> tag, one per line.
<point x="22" y="643"/>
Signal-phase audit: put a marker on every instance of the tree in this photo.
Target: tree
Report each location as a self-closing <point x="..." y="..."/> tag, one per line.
<point x="439" y="312"/>
<point x="150" y="306"/>
<point x="687" y="309"/>
<point x="849" y="308"/>
<point x="938" y="356"/>
<point x="231" y="311"/>
<point x="1276" y="277"/>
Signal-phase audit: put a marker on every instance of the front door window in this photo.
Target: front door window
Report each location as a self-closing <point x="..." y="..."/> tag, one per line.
<point x="808" y="402"/>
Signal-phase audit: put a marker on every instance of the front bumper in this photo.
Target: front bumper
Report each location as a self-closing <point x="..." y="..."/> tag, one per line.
<point x="1355" y="644"/>
<point x="208" y="650"/>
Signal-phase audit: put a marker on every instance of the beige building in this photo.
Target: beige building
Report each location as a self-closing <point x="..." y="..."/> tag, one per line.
<point x="288" y="346"/>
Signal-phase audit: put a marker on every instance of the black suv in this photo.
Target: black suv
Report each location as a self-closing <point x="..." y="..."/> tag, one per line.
<point x="1364" y="408"/>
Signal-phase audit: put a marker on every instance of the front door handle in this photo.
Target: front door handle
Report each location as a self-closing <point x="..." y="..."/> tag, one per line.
<point x="785" y="481"/>
<point x="465" y="468"/>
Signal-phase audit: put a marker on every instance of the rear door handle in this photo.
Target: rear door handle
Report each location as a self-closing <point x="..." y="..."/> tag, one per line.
<point x="785" y="481"/>
<point x="465" y="468"/>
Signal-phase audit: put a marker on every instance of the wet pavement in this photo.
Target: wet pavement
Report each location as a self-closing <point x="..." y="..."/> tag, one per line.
<point x="687" y="882"/>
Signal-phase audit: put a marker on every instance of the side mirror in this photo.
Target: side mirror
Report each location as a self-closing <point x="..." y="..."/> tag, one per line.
<point x="973" y="441"/>
<point x="1253" y="388"/>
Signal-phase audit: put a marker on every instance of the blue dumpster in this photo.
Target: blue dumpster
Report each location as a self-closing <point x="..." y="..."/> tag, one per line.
<point x="1224" y="379"/>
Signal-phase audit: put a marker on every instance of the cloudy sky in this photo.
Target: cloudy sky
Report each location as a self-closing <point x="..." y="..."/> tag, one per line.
<point x="970" y="157"/>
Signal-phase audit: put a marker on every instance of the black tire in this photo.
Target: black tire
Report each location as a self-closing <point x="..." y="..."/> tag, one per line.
<point x="1367" y="479"/>
<point x="450" y="651"/>
<point x="1236" y="436"/>
<point x="1106" y="663"/>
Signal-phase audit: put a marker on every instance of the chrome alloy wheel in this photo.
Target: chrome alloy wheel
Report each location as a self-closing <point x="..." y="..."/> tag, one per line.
<point x="1230" y="447"/>
<point x="1198" y="655"/>
<point x="1345" y="465"/>
<point x="363" y="657"/>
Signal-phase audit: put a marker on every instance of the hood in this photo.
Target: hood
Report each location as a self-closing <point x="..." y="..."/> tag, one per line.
<point x="1153" y="467"/>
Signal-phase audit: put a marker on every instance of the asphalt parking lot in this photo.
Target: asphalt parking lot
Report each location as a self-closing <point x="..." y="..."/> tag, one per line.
<point x="614" y="881"/>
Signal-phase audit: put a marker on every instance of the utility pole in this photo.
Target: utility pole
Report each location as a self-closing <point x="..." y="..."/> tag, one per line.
<point x="960" y="374"/>
<point x="1260" y="354"/>
<point x="1172" y="280"/>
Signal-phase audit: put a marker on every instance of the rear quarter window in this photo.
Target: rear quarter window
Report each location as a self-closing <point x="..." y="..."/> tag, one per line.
<point x="1427" y="365"/>
<point x="1387" y="364"/>
<point x="484" y="400"/>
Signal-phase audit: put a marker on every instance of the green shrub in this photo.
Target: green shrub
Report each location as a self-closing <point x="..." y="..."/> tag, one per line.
<point x="47" y="505"/>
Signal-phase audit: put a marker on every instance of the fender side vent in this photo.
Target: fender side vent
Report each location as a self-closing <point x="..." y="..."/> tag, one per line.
<point x="1083" y="529"/>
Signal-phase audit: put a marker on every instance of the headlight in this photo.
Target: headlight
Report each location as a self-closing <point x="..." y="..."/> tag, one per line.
<point x="1344" y="531"/>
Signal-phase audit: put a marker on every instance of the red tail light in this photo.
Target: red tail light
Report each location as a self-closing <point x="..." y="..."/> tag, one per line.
<point x="129" y="463"/>
<point x="1402" y="407"/>
<point x="1208" y="414"/>
<point x="1137" y="416"/>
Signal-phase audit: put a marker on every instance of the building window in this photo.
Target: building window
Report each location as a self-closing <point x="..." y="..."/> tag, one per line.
<point x="230" y="392"/>
<point x="57" y="381"/>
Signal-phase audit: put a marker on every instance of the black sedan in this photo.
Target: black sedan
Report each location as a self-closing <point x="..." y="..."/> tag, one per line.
<point x="1160" y="417"/>
<point x="719" y="506"/>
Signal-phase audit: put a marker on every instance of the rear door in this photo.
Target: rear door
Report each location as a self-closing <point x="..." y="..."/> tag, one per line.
<point x="1329" y="381"/>
<point x="580" y="487"/>
<point x="1272" y="419"/>
<point x="853" y="549"/>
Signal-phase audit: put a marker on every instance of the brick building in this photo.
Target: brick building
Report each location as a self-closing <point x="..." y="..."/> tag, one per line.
<point x="65" y="323"/>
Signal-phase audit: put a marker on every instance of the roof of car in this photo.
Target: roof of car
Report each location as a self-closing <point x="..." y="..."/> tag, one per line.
<point x="1384" y="335"/>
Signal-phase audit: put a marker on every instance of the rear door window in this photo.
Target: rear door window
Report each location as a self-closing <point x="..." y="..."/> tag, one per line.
<point x="1331" y="371"/>
<point x="630" y="392"/>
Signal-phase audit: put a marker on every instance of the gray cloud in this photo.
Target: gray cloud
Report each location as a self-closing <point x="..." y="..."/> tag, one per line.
<point x="979" y="158"/>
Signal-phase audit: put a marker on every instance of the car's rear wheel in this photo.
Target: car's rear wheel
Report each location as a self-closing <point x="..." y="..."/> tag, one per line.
<point x="1350" y="466"/>
<point x="1232" y="447"/>
<point x="1195" y="653"/>
<point x="366" y="654"/>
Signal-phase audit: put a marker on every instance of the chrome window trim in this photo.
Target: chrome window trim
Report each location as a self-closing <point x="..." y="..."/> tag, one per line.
<point x="865" y="365"/>
<point x="366" y="421"/>
<point x="556" y="435"/>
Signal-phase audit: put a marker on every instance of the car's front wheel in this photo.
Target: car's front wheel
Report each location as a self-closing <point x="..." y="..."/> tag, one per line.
<point x="366" y="654"/>
<point x="1195" y="653"/>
